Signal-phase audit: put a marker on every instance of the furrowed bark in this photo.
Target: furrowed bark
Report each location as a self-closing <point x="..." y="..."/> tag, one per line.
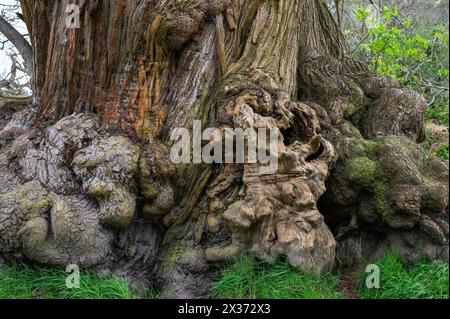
<point x="91" y="166"/>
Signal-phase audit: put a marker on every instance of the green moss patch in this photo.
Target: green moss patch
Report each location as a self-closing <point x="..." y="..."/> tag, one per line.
<point x="362" y="170"/>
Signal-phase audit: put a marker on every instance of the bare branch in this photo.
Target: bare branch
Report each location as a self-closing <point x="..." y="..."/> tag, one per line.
<point x="19" y="42"/>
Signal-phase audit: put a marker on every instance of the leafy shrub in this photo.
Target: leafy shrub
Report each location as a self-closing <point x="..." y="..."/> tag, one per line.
<point x="438" y="113"/>
<point x="418" y="60"/>
<point x="443" y="153"/>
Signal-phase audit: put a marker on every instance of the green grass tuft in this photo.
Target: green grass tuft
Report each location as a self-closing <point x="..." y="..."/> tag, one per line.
<point x="21" y="282"/>
<point x="247" y="279"/>
<point x="425" y="280"/>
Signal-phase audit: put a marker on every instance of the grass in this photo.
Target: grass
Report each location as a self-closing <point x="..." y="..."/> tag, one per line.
<point x="425" y="280"/>
<point x="21" y="282"/>
<point x="247" y="279"/>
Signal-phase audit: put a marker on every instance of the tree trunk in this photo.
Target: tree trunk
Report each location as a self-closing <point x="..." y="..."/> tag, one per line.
<point x="88" y="174"/>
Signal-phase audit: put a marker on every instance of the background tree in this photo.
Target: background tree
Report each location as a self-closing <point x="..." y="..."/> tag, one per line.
<point x="86" y="170"/>
<point x="15" y="46"/>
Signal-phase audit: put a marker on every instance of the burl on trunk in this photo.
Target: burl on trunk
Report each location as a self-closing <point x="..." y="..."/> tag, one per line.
<point x="86" y="173"/>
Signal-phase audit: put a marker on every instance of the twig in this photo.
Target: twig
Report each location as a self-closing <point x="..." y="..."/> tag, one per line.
<point x="360" y="42"/>
<point x="435" y="97"/>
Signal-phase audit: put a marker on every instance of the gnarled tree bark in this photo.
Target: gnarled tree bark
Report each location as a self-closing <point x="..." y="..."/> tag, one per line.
<point x="19" y="41"/>
<point x="86" y="171"/>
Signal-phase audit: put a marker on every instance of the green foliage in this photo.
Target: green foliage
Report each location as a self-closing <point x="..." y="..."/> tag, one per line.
<point x="362" y="14"/>
<point x="20" y="282"/>
<point x="438" y="113"/>
<point x="394" y="52"/>
<point x="418" y="60"/>
<point x="443" y="153"/>
<point x="362" y="170"/>
<point x="248" y="279"/>
<point x="425" y="280"/>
